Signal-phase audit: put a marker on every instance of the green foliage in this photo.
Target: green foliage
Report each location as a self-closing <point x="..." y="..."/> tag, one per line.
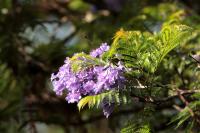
<point x="8" y="84"/>
<point x="188" y="113"/>
<point x="171" y="37"/>
<point x="10" y="93"/>
<point x="163" y="11"/>
<point x="145" y="51"/>
<point x="135" y="128"/>
<point x="183" y="116"/>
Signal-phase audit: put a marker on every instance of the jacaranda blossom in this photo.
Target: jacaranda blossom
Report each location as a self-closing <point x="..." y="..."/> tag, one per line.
<point x="90" y="81"/>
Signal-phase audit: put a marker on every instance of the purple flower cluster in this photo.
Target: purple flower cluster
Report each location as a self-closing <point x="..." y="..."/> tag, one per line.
<point x="90" y="81"/>
<point x="98" y="52"/>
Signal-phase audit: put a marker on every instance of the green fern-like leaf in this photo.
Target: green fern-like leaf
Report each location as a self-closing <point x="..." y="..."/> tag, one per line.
<point x="93" y="100"/>
<point x="171" y="36"/>
<point x="186" y="113"/>
<point x="129" y="129"/>
<point x="181" y="117"/>
<point x="135" y="128"/>
<point x="96" y="100"/>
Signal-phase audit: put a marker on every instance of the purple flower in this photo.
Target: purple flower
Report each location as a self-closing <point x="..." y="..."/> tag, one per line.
<point x="108" y="108"/>
<point x="109" y="78"/>
<point x="59" y="79"/>
<point x="98" y="52"/>
<point x="73" y="97"/>
<point x="89" y="86"/>
<point x="98" y="69"/>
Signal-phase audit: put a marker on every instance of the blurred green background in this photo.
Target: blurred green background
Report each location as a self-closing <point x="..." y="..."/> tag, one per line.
<point x="37" y="35"/>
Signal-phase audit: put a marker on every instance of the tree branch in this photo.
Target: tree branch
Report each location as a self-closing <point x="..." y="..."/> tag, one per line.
<point x="158" y="102"/>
